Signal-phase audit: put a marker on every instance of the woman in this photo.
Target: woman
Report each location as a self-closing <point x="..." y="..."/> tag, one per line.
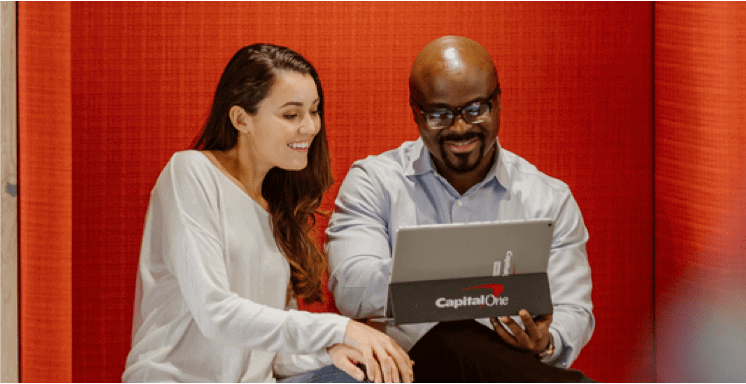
<point x="226" y="247"/>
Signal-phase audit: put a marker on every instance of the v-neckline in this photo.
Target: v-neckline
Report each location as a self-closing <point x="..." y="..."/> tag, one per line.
<point x="233" y="181"/>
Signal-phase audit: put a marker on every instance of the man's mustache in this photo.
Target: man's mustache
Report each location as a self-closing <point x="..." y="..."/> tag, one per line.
<point x="462" y="137"/>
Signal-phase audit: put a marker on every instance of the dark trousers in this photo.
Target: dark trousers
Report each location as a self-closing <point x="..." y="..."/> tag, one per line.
<point x="466" y="351"/>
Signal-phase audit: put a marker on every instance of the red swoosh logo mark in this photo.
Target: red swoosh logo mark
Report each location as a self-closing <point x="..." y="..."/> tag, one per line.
<point x="496" y="289"/>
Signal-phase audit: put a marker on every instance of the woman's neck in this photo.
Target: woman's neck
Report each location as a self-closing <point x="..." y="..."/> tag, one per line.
<point x="239" y="167"/>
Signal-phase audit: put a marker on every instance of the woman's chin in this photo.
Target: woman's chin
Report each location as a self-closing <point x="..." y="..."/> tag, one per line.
<point x="295" y="166"/>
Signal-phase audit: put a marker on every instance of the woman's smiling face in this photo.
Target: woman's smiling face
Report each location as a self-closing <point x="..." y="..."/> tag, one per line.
<point x="285" y="123"/>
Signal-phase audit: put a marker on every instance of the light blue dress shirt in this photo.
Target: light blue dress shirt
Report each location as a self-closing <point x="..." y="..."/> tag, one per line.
<point x="401" y="188"/>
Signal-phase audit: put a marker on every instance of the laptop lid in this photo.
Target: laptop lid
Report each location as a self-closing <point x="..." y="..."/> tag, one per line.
<point x="449" y="251"/>
<point x="464" y="250"/>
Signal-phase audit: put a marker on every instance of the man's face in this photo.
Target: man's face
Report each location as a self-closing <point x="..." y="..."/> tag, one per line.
<point x="462" y="147"/>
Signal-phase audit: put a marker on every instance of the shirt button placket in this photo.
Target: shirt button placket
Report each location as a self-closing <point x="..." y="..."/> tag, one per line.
<point x="457" y="212"/>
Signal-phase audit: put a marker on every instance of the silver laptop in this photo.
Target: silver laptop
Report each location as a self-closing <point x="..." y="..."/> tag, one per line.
<point x="477" y="249"/>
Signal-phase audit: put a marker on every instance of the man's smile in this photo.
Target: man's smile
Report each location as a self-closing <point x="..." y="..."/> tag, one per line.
<point x="462" y="146"/>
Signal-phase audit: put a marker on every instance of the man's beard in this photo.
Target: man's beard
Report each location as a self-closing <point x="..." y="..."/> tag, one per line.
<point x="461" y="163"/>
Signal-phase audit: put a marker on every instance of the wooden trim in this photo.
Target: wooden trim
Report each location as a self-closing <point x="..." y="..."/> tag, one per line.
<point x="8" y="194"/>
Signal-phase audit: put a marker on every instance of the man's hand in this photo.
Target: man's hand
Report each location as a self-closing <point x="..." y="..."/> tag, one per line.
<point x="535" y="336"/>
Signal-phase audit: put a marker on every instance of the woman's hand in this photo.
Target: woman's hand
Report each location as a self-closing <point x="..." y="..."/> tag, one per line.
<point x="384" y="359"/>
<point x="346" y="359"/>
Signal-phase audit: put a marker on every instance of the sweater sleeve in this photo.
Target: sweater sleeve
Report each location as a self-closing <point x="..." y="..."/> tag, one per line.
<point x="185" y="202"/>
<point x="291" y="364"/>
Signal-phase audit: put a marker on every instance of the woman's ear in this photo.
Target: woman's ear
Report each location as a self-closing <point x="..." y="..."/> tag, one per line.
<point x="240" y="119"/>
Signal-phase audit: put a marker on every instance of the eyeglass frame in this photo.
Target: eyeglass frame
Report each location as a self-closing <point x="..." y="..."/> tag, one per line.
<point x="458" y="111"/>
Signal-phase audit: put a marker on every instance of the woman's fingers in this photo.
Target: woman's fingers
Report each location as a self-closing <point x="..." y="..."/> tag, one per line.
<point x="404" y="363"/>
<point x="400" y="362"/>
<point x="388" y="366"/>
<point x="351" y="369"/>
<point x="385" y="360"/>
<point x="345" y="358"/>
<point x="373" y="368"/>
<point x="395" y="362"/>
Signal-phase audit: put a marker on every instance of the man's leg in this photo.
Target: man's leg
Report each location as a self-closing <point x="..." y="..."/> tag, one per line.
<point x="466" y="351"/>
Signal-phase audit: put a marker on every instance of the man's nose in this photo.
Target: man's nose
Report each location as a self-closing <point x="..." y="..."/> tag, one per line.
<point x="459" y="124"/>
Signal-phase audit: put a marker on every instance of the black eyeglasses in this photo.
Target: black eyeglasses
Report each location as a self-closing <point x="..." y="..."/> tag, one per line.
<point x="473" y="113"/>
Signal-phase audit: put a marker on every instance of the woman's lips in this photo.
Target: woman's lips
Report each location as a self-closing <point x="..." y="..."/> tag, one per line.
<point x="301" y="146"/>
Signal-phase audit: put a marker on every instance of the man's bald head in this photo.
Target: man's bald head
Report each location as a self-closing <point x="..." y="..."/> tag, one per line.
<point x="448" y="76"/>
<point x="449" y="61"/>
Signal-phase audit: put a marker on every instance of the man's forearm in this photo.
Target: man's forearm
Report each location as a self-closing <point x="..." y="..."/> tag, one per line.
<point x="360" y="286"/>
<point x="572" y="327"/>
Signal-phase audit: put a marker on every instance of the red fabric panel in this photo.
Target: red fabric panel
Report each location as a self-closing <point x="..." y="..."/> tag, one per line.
<point x="700" y="196"/>
<point x="45" y="210"/>
<point x="577" y="102"/>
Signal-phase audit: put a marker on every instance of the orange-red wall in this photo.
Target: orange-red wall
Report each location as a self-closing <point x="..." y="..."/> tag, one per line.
<point x="108" y="91"/>
<point x="700" y="193"/>
<point x="45" y="214"/>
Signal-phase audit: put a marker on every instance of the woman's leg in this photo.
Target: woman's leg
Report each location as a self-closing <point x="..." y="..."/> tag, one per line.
<point x="328" y="374"/>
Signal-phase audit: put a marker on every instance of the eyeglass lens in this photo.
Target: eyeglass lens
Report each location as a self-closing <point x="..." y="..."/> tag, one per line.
<point x="443" y="118"/>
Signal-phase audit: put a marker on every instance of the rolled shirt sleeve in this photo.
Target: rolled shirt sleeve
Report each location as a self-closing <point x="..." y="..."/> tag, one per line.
<point x="358" y="248"/>
<point x="570" y="283"/>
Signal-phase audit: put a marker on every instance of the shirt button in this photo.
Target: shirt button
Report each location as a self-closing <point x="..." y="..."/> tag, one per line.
<point x="459" y="203"/>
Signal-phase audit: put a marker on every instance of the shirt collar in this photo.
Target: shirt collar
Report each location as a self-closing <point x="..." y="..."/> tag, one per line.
<point x="418" y="160"/>
<point x="498" y="171"/>
<point x="420" y="163"/>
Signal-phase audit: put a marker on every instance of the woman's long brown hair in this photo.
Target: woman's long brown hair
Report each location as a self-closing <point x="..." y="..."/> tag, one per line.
<point x="293" y="196"/>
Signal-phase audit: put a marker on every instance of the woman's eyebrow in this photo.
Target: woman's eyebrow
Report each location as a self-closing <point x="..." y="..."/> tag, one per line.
<point x="296" y="103"/>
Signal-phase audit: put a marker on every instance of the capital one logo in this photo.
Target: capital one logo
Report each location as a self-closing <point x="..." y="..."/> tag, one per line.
<point x="504" y="268"/>
<point x="489" y="300"/>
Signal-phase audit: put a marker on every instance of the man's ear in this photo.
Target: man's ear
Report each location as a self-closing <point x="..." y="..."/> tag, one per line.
<point x="240" y="119"/>
<point x="414" y="112"/>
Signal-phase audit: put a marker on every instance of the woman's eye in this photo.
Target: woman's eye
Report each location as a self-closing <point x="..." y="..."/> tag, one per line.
<point x="290" y="116"/>
<point x="315" y="113"/>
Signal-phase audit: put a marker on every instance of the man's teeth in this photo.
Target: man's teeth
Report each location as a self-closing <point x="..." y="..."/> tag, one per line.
<point x="462" y="143"/>
<point x="303" y="145"/>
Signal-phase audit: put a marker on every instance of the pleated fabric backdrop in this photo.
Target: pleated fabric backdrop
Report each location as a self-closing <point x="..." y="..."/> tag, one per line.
<point x="45" y="211"/>
<point x="108" y="91"/>
<point x="700" y="193"/>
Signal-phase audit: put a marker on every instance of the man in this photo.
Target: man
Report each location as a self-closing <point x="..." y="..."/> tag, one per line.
<point x="457" y="172"/>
